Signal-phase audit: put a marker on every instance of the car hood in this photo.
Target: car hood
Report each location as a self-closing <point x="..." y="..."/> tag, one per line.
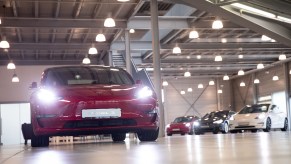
<point x="211" y="120"/>
<point x="177" y="125"/>
<point x="249" y="116"/>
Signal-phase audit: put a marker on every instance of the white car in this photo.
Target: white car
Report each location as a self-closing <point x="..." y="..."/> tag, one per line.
<point x="259" y="116"/>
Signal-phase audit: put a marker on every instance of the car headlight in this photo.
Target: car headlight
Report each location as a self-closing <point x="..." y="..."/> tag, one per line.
<point x="145" y="92"/>
<point x="188" y="124"/>
<point x="261" y="116"/>
<point x="218" y="121"/>
<point x="168" y="126"/>
<point x="196" y="123"/>
<point x="46" y="95"/>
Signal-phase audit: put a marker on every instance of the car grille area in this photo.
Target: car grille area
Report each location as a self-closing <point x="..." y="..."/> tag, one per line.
<point x="99" y="123"/>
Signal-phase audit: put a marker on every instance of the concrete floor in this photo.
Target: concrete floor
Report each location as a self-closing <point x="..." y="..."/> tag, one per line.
<point x="241" y="148"/>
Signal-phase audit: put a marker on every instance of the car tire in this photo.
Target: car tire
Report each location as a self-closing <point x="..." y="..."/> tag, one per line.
<point x="254" y="130"/>
<point x="169" y="134"/>
<point x="285" y="128"/>
<point x="268" y="125"/>
<point x="233" y="131"/>
<point x="225" y="128"/>
<point x="191" y="131"/>
<point x="39" y="141"/>
<point x="215" y="131"/>
<point x="118" y="137"/>
<point x="148" y="135"/>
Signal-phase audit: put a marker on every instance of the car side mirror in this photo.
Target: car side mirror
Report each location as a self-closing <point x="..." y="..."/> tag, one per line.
<point x="138" y="82"/>
<point x="33" y="85"/>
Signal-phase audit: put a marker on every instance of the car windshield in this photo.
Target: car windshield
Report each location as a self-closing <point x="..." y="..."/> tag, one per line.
<point x="64" y="76"/>
<point x="255" y="109"/>
<point x="183" y="119"/>
<point x="217" y="114"/>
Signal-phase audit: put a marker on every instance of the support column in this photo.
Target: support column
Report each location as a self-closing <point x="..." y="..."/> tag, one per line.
<point x="110" y="61"/>
<point x="287" y="92"/>
<point x="218" y="94"/>
<point x="157" y="62"/>
<point x="255" y="89"/>
<point x="127" y="51"/>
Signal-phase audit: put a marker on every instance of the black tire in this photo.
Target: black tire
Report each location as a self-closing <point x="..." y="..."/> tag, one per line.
<point x="118" y="137"/>
<point x="191" y="131"/>
<point x="285" y="128"/>
<point x="225" y="128"/>
<point x="148" y="135"/>
<point x="182" y="134"/>
<point x="215" y="131"/>
<point x="254" y="130"/>
<point x="268" y="125"/>
<point x="39" y="141"/>
<point x="233" y="131"/>
<point x="169" y="134"/>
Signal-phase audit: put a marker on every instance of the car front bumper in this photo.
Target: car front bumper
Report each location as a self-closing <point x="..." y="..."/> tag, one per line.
<point x="247" y="125"/>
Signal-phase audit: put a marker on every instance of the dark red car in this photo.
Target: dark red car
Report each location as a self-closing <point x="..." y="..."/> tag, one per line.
<point x="85" y="100"/>
<point x="182" y="125"/>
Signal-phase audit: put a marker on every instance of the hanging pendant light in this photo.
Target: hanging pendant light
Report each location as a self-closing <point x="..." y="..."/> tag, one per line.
<point x="11" y="65"/>
<point x="217" y="24"/>
<point x="100" y="38"/>
<point x="109" y="22"/>
<point x="86" y="60"/>
<point x="165" y="83"/>
<point x="211" y="82"/>
<point x="176" y="50"/>
<point x="225" y="77"/>
<point x="187" y="74"/>
<point x="123" y="0"/>
<point x="282" y="57"/>
<point x="15" y="78"/>
<point x="92" y="50"/>
<point x="260" y="66"/>
<point x="241" y="72"/>
<point x="256" y="81"/>
<point x="240" y="56"/>
<point x="219" y="91"/>
<point x="198" y="56"/>
<point x="132" y="31"/>
<point x="193" y="34"/>
<point x="189" y="89"/>
<point x="242" y="84"/>
<point x="4" y="43"/>
<point x="275" y="78"/>
<point x="218" y="58"/>
<point x="200" y="86"/>
<point x="182" y="92"/>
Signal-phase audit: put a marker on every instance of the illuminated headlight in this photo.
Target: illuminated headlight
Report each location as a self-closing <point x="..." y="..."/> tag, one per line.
<point x="46" y="95"/>
<point x="145" y="92"/>
<point x="231" y="118"/>
<point x="218" y="121"/>
<point x="196" y="123"/>
<point x="168" y="126"/>
<point x="188" y="124"/>
<point x="261" y="116"/>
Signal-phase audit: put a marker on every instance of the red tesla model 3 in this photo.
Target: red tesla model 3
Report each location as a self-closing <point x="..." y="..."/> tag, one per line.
<point x="85" y="100"/>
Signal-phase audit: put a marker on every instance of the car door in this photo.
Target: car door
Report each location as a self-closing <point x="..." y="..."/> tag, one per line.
<point x="275" y="116"/>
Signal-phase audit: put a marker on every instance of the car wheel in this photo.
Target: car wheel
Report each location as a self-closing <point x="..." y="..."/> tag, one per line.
<point x="169" y="134"/>
<point x="39" y="141"/>
<point x="254" y="130"/>
<point x="268" y="125"/>
<point x="225" y="128"/>
<point x="191" y="131"/>
<point x="215" y="131"/>
<point x="118" y="137"/>
<point x="182" y="134"/>
<point x="285" y="128"/>
<point x="148" y="135"/>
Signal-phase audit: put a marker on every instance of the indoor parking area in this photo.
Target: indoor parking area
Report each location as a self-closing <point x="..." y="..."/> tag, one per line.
<point x="145" y="81"/>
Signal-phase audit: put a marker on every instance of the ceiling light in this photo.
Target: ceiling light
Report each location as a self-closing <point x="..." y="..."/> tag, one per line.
<point x="217" y="24"/>
<point x="282" y="57"/>
<point x="109" y="22"/>
<point x="0" y="21"/>
<point x="241" y="72"/>
<point x="265" y="38"/>
<point x="11" y="65"/>
<point x="100" y="38"/>
<point x="187" y="74"/>
<point x="284" y="19"/>
<point x="260" y="66"/>
<point x="193" y="34"/>
<point x="223" y="40"/>
<point x="86" y="60"/>
<point x="189" y="89"/>
<point x="218" y="58"/>
<point x="176" y="50"/>
<point x="242" y="84"/>
<point x="219" y="91"/>
<point x="188" y="57"/>
<point x="131" y="31"/>
<point x="275" y="78"/>
<point x="211" y="82"/>
<point x="256" y="81"/>
<point x="4" y="43"/>
<point x="123" y="0"/>
<point x="165" y="83"/>
<point x="240" y="56"/>
<point x="15" y="78"/>
<point x="198" y="56"/>
<point x="92" y="51"/>
<point x="254" y="10"/>
<point x="200" y="85"/>
<point x="182" y="92"/>
<point x="225" y="77"/>
<point x="290" y="71"/>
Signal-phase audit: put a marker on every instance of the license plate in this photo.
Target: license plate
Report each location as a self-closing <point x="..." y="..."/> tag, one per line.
<point x="176" y="129"/>
<point x="101" y="113"/>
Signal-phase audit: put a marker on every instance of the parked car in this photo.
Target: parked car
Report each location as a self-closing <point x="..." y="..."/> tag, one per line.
<point x="216" y="121"/>
<point x="259" y="116"/>
<point x="85" y="100"/>
<point x="182" y="125"/>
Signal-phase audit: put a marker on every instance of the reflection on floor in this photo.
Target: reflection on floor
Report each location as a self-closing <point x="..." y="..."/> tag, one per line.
<point x="241" y="148"/>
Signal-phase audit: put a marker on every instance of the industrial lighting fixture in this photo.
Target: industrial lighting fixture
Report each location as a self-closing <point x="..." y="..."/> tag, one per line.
<point x="265" y="38"/>
<point x="275" y="78"/>
<point x="132" y="31"/>
<point x="86" y="60"/>
<point x="11" y="65"/>
<point x="92" y="50"/>
<point x="176" y="50"/>
<point x="165" y="83"/>
<point x="123" y="0"/>
<point x="109" y="22"/>
<point x="290" y="71"/>
<point x="211" y="82"/>
<point x="100" y="38"/>
<point x="225" y="77"/>
<point x="182" y="92"/>
<point x="193" y="34"/>
<point x="254" y="10"/>
<point x="15" y="78"/>
<point x="282" y="57"/>
<point x="189" y="89"/>
<point x="217" y="24"/>
<point x="242" y="84"/>
<point x="198" y="56"/>
<point x="187" y="74"/>
<point x="240" y="56"/>
<point x="200" y="85"/>
<point x="260" y="66"/>
<point x="223" y="40"/>
<point x="219" y="91"/>
<point x="218" y="58"/>
<point x="4" y="43"/>
<point x="241" y="72"/>
<point x="256" y="81"/>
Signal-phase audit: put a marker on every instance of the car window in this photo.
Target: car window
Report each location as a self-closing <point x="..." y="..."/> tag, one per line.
<point x="182" y="119"/>
<point x="254" y="109"/>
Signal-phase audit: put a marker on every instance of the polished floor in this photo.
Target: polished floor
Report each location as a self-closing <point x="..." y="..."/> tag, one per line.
<point x="241" y="148"/>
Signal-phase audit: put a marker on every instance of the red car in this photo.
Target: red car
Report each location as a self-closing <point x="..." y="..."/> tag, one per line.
<point x="182" y="125"/>
<point x="85" y="100"/>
